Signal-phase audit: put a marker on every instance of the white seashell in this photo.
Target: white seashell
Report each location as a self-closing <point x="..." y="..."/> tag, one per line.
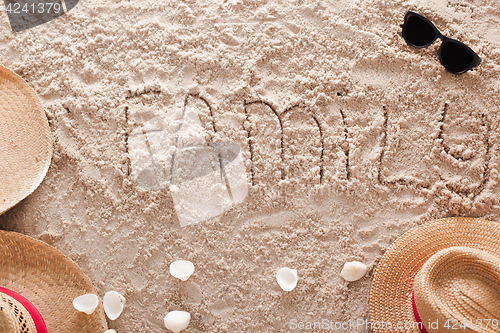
<point x="113" y="304"/>
<point x="182" y="269"/>
<point x="111" y="331"/>
<point x="287" y="278"/>
<point x="86" y="303"/>
<point x="176" y="321"/>
<point x="353" y="271"/>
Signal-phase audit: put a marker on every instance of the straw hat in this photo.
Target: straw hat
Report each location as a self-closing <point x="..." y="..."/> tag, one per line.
<point x="37" y="287"/>
<point x="442" y="276"/>
<point x="25" y="140"/>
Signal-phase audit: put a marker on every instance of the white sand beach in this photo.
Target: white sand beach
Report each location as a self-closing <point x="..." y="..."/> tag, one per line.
<point x="339" y="137"/>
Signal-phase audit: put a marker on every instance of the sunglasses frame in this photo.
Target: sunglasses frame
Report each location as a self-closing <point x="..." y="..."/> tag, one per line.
<point x="475" y="61"/>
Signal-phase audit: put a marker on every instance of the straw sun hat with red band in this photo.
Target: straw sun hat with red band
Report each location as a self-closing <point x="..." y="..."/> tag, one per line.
<point x="37" y="287"/>
<point x="25" y="140"/>
<point x="442" y="276"/>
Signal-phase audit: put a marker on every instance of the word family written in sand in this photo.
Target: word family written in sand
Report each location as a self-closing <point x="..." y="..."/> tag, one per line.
<point x="209" y="166"/>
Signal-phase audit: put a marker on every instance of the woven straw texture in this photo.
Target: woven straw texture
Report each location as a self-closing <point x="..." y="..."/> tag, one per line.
<point x="461" y="283"/>
<point x="14" y="317"/>
<point x="25" y="140"/>
<point x="49" y="280"/>
<point x="390" y="294"/>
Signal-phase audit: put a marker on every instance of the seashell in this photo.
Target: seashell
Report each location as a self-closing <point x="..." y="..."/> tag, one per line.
<point x="353" y="271"/>
<point x="86" y="303"/>
<point x="287" y="278"/>
<point x="182" y="269"/>
<point x="113" y="304"/>
<point x="111" y="331"/>
<point x="176" y="321"/>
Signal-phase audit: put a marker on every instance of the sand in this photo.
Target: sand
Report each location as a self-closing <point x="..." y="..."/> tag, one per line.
<point x="348" y="138"/>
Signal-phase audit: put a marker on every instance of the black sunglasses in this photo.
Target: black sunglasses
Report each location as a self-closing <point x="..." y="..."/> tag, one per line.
<point x="455" y="56"/>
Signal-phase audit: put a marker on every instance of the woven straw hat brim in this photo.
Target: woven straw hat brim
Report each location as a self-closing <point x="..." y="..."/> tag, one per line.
<point x="14" y="317"/>
<point x="390" y="294"/>
<point x="460" y="283"/>
<point x="49" y="280"/>
<point x="25" y="140"/>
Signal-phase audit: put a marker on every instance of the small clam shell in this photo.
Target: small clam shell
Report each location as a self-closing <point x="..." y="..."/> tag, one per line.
<point x="86" y="303"/>
<point x="182" y="269"/>
<point x="353" y="271"/>
<point x="113" y="304"/>
<point x="287" y="278"/>
<point x="110" y="331"/>
<point x="176" y="321"/>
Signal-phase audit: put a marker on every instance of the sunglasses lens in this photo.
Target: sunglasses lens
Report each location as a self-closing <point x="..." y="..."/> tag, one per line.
<point x="455" y="57"/>
<point x="418" y="32"/>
